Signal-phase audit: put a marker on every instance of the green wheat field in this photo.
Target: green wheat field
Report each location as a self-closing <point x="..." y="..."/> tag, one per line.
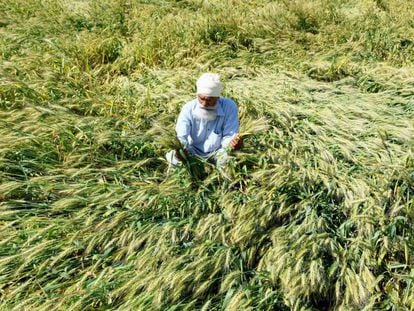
<point x="314" y="213"/>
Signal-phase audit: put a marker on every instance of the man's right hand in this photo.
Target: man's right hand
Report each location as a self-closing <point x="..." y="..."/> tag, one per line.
<point x="236" y="143"/>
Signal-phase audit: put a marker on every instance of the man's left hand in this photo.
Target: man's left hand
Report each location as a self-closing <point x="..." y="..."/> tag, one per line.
<point x="236" y="143"/>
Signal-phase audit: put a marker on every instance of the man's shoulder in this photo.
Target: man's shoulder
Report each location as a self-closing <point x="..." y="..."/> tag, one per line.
<point x="228" y="100"/>
<point x="190" y="104"/>
<point x="228" y="104"/>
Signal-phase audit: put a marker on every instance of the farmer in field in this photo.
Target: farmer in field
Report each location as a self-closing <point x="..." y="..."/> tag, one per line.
<point x="207" y="126"/>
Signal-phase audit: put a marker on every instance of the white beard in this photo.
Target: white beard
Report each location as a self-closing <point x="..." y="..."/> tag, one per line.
<point x="205" y="114"/>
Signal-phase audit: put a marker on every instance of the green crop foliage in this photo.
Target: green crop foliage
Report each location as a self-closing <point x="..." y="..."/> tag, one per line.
<point x="314" y="213"/>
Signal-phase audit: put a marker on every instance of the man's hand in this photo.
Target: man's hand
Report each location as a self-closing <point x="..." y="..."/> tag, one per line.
<point x="181" y="154"/>
<point x="236" y="143"/>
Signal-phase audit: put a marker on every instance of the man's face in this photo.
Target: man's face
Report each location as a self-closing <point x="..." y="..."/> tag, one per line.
<point x="207" y="102"/>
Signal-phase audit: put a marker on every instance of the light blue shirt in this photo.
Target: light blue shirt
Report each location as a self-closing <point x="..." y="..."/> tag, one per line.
<point x="203" y="137"/>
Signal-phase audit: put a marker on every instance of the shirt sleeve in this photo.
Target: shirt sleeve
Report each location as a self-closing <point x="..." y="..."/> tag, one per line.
<point x="231" y="125"/>
<point x="183" y="126"/>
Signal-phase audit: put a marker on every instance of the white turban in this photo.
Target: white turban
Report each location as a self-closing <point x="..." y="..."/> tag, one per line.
<point x="209" y="85"/>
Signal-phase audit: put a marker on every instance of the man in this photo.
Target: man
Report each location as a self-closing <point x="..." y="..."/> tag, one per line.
<point x="207" y="126"/>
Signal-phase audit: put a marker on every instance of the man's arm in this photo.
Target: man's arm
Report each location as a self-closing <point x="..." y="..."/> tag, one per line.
<point x="231" y="126"/>
<point x="183" y="126"/>
<point x="183" y="129"/>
